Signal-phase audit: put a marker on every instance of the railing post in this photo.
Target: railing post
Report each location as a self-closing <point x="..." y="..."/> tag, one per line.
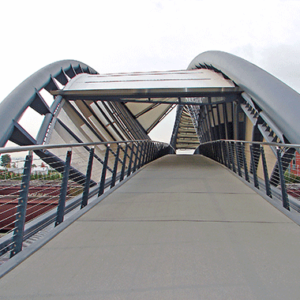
<point x="221" y="153"/>
<point x="114" y="174"/>
<point x="224" y="153"/>
<point x="136" y="157"/>
<point x="215" y="156"/>
<point x="227" y="164"/>
<point x="141" y="155"/>
<point x="254" y="168"/>
<point x="145" y="153"/>
<point x="231" y="154"/>
<point x="124" y="163"/>
<point x="63" y="190"/>
<point x="227" y="147"/>
<point x="21" y="209"/>
<point x="237" y="152"/>
<point x="149" y="152"/>
<point x="103" y="174"/>
<point x="86" y="190"/>
<point x="245" y="163"/>
<point x="130" y="160"/>
<point x="217" y="152"/>
<point x="285" y="199"/>
<point x="154" y="152"/>
<point x="210" y="151"/>
<point x="266" y="175"/>
<point x="220" y="160"/>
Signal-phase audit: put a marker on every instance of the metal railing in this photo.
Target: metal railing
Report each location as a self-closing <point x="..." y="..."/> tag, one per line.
<point x="33" y="198"/>
<point x="273" y="168"/>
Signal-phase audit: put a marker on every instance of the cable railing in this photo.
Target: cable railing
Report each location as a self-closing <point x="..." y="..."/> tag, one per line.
<point x="273" y="168"/>
<point x="53" y="180"/>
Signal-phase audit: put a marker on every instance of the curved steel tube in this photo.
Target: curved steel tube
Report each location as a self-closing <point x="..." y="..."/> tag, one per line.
<point x="277" y="100"/>
<point x="14" y="105"/>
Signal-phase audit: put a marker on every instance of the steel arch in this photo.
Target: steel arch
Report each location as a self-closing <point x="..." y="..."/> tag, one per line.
<point x="277" y="101"/>
<point x="27" y="93"/>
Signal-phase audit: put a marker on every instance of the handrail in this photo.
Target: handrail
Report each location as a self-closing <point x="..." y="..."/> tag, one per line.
<point x="278" y="176"/>
<point x="54" y="146"/>
<point x="82" y="175"/>
<point x="253" y="142"/>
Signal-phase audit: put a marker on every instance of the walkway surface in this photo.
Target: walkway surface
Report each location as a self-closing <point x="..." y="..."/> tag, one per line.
<point x="182" y="228"/>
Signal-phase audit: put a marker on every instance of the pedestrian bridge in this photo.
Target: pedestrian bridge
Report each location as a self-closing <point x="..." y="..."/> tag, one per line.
<point x="116" y="215"/>
<point x="183" y="227"/>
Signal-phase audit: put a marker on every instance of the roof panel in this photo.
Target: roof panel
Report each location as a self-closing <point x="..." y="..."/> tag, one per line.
<point x="172" y="79"/>
<point x="137" y="108"/>
<point x="152" y="116"/>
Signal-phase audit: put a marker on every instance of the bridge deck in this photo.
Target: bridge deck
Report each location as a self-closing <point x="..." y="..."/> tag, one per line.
<point x="182" y="228"/>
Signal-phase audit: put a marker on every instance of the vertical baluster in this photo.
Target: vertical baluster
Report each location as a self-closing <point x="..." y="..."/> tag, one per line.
<point x="63" y="191"/>
<point x="124" y="163"/>
<point x="151" y="152"/>
<point x="255" y="178"/>
<point x="266" y="175"/>
<point x="130" y="160"/>
<point x="104" y="169"/>
<point x="237" y="152"/>
<point x="154" y="151"/>
<point x="245" y="163"/>
<point x="114" y="174"/>
<point x="231" y="153"/>
<point x="214" y="151"/>
<point x="21" y="209"/>
<point x="145" y="153"/>
<point x="141" y="155"/>
<point x="225" y="155"/>
<point x="136" y="158"/>
<point x="86" y="190"/>
<point x="221" y="153"/>
<point x="285" y="199"/>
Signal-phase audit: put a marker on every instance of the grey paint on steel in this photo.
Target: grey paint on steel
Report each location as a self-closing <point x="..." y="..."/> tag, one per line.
<point x="14" y="105"/>
<point x="277" y="100"/>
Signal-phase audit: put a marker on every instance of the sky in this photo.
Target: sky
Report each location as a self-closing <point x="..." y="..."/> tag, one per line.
<point x="125" y="36"/>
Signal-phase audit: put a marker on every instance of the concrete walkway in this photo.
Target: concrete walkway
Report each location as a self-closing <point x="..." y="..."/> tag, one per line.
<point x="182" y="228"/>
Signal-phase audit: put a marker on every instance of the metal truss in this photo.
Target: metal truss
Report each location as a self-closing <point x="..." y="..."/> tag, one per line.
<point x="265" y="110"/>
<point x="253" y="107"/>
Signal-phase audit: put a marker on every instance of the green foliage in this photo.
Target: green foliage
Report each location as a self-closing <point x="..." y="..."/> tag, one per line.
<point x="291" y="178"/>
<point x="52" y="175"/>
<point x="9" y="175"/>
<point x="5" y="160"/>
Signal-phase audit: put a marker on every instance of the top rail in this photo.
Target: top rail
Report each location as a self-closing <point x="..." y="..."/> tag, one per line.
<point x="275" y="172"/>
<point x="41" y="201"/>
<point x="253" y="142"/>
<point x="54" y="146"/>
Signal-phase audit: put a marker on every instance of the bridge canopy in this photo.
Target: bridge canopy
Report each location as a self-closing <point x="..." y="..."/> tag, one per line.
<point x="149" y="96"/>
<point x="146" y="85"/>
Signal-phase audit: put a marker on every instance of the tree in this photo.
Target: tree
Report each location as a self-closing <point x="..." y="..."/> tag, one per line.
<point x="5" y="160"/>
